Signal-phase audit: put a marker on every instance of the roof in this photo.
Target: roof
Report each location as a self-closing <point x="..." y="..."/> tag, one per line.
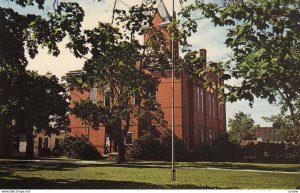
<point x="163" y="12"/>
<point x="75" y="73"/>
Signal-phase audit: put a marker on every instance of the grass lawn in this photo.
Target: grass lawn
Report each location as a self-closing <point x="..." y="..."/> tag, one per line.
<point x="58" y="174"/>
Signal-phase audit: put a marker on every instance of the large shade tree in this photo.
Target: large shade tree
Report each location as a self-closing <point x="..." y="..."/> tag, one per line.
<point x="265" y="38"/>
<point x="128" y="92"/>
<point x="19" y="89"/>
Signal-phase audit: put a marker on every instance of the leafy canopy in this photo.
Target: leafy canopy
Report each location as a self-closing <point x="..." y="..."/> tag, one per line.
<point x="241" y="127"/>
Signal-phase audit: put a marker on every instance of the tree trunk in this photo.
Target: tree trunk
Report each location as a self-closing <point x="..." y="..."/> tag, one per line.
<point x="121" y="150"/>
<point x="5" y="142"/>
<point x="30" y="144"/>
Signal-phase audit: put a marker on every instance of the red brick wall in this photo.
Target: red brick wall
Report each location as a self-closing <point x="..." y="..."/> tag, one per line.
<point x="164" y="97"/>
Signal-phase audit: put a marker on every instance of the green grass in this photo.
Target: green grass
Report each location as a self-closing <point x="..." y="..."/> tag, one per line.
<point x="107" y="175"/>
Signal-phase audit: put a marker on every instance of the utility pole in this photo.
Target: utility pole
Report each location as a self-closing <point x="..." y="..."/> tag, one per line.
<point x="173" y="171"/>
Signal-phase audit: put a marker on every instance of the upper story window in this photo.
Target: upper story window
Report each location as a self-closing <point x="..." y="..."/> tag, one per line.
<point x="213" y="105"/>
<point x="209" y="104"/>
<point x="198" y="99"/>
<point x="201" y="99"/>
<point x="106" y="96"/>
<point x="106" y="100"/>
<point x="93" y="95"/>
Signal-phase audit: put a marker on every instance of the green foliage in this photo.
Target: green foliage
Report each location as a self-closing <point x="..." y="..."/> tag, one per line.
<point x="264" y="37"/>
<point x="286" y="123"/>
<point x="219" y="150"/>
<point x="272" y="151"/>
<point x="241" y="127"/>
<point x="79" y="148"/>
<point x="146" y="147"/>
<point x="149" y="147"/>
<point x="113" y="71"/>
<point x="181" y="153"/>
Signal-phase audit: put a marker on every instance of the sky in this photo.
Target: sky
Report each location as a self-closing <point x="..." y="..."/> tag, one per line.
<point x="208" y="36"/>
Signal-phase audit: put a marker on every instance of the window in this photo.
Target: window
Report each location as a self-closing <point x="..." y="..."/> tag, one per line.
<point x="57" y="140"/>
<point x="129" y="138"/>
<point x="106" y="100"/>
<point x="40" y="143"/>
<point x="213" y="105"/>
<point x="198" y="99"/>
<point x="93" y="94"/>
<point x="209" y="104"/>
<point x="202" y="135"/>
<point x="221" y="112"/>
<point x="134" y="99"/>
<point x="153" y="95"/>
<point x="45" y="145"/>
<point x="201" y="99"/>
<point x="16" y="143"/>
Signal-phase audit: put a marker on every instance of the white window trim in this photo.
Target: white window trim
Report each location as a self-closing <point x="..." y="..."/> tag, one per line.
<point x="198" y="99"/>
<point x="130" y="132"/>
<point x="213" y="106"/>
<point x="93" y="94"/>
<point x="209" y="103"/>
<point x="202" y="102"/>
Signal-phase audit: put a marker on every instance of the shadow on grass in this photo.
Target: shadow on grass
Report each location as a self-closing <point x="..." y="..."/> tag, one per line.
<point x="244" y="166"/>
<point x="15" y="182"/>
<point x="71" y="165"/>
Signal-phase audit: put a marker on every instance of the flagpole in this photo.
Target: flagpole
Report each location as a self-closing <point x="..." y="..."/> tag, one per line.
<point x="173" y="171"/>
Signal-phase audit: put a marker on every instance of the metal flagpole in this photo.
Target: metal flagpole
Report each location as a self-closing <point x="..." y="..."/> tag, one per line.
<point x="173" y="171"/>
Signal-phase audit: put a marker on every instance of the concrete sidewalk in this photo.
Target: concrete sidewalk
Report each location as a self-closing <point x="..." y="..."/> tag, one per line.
<point x="141" y="165"/>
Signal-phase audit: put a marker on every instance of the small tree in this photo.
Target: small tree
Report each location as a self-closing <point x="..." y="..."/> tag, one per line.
<point x="241" y="127"/>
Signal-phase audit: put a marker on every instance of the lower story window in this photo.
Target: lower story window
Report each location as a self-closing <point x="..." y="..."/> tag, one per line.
<point x="45" y="145"/>
<point x="129" y="138"/>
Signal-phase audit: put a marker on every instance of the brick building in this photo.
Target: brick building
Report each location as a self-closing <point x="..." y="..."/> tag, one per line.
<point x="199" y="118"/>
<point x="268" y="134"/>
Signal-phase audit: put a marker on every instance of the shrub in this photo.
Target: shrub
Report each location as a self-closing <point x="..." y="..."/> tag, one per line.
<point x="57" y="151"/>
<point x="79" y="148"/>
<point x="220" y="150"/>
<point x="224" y="150"/>
<point x="272" y="152"/>
<point x="181" y="153"/>
<point x="146" y="147"/>
<point x="149" y="147"/>
<point x="45" y="152"/>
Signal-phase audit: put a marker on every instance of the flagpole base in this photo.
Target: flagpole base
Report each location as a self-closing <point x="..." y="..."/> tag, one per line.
<point x="173" y="174"/>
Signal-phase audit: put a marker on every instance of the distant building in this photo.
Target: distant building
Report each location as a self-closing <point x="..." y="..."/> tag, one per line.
<point x="268" y="134"/>
<point x="199" y="117"/>
<point x="41" y="142"/>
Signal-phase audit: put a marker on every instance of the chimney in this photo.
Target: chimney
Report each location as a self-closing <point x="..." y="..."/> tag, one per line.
<point x="203" y="56"/>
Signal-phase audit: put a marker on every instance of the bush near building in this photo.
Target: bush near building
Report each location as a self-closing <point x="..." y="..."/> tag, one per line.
<point x="272" y="151"/>
<point x="149" y="147"/>
<point x="79" y="148"/>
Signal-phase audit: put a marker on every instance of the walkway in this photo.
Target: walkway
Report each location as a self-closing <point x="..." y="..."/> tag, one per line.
<point x="86" y="162"/>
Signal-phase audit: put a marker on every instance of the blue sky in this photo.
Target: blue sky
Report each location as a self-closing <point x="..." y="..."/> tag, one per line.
<point x="208" y="36"/>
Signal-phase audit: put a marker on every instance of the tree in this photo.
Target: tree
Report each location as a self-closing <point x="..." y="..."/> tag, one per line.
<point x="241" y="127"/>
<point x="20" y="33"/>
<point x="285" y="124"/>
<point x="264" y="37"/>
<point x="114" y="72"/>
<point x="36" y="103"/>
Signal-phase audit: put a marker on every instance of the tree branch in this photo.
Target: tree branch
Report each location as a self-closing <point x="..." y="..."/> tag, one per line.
<point x="113" y="13"/>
